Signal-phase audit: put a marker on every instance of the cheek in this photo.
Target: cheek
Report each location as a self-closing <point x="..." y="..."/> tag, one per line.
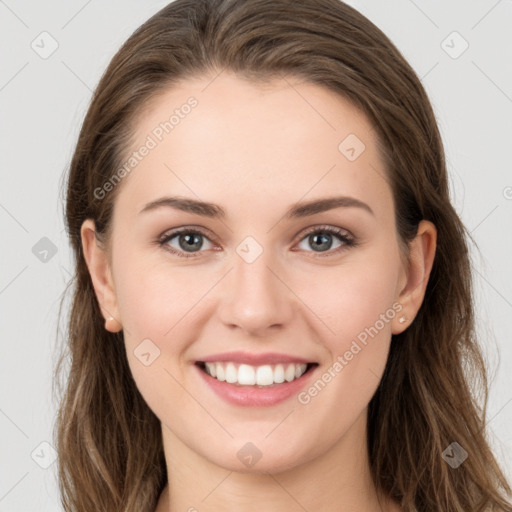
<point x="151" y="298"/>
<point x="153" y="305"/>
<point x="156" y="302"/>
<point x="356" y="303"/>
<point x="162" y="310"/>
<point x="351" y="298"/>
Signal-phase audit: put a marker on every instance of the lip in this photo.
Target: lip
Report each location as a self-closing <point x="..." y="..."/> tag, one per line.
<point x="253" y="396"/>
<point x="253" y="359"/>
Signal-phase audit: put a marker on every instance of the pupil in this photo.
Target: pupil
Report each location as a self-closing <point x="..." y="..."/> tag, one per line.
<point x="326" y="240"/>
<point x="189" y="241"/>
<point x="321" y="241"/>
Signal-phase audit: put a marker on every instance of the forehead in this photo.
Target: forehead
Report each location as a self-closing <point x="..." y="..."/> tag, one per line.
<point x="252" y="145"/>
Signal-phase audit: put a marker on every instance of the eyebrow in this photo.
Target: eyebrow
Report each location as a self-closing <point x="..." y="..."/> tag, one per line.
<point x="297" y="210"/>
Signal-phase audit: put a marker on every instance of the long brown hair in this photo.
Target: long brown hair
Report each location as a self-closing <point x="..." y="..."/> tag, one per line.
<point x="434" y="389"/>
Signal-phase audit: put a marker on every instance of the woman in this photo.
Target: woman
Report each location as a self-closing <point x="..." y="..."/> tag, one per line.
<point x="272" y="307"/>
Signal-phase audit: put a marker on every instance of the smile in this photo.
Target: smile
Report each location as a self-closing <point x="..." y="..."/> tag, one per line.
<point x="249" y="375"/>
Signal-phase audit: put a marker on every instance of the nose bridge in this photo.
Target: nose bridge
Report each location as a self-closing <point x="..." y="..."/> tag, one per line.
<point x="256" y="298"/>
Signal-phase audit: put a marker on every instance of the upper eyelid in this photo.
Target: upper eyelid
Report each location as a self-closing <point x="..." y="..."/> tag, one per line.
<point x="327" y="227"/>
<point x="171" y="233"/>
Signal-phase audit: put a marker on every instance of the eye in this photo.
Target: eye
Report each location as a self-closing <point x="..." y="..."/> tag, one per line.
<point x="320" y="237"/>
<point x="190" y="241"/>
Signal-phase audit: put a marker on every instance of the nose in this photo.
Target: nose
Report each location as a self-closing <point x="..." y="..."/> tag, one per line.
<point x="255" y="296"/>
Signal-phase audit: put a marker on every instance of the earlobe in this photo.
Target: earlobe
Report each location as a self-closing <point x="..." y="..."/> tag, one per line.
<point x="101" y="276"/>
<point x="422" y="253"/>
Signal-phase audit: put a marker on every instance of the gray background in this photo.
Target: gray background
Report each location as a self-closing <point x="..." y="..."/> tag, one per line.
<point x="43" y="101"/>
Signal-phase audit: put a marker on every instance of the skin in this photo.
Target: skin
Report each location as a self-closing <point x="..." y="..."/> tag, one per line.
<point x="255" y="150"/>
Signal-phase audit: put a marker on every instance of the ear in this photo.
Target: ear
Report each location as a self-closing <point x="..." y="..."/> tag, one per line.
<point x="414" y="283"/>
<point x="101" y="275"/>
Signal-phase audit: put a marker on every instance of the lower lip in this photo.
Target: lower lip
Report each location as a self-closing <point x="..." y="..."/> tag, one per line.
<point x="254" y="396"/>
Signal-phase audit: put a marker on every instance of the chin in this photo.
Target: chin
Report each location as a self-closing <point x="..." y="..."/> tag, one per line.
<point x="258" y="457"/>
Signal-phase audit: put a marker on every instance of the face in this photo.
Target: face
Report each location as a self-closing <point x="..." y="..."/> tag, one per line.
<point x="274" y="276"/>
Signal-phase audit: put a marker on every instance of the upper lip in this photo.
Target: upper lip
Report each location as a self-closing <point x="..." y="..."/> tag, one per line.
<point x="253" y="359"/>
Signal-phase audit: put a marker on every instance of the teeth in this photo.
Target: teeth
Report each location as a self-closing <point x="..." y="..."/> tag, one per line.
<point x="221" y="373"/>
<point x="278" y="374"/>
<point x="247" y="375"/>
<point x="231" y="373"/>
<point x="264" y="376"/>
<point x="289" y="374"/>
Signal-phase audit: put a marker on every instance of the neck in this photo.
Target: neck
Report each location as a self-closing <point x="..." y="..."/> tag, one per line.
<point x="337" y="480"/>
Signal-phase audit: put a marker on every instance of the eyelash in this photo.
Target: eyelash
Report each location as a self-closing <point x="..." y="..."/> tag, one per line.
<point x="348" y="241"/>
